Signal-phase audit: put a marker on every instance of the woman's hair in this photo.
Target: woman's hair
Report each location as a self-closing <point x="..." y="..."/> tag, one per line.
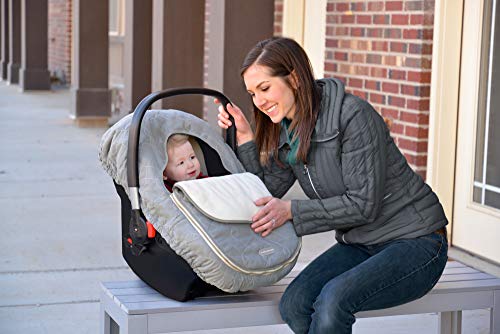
<point x="285" y="58"/>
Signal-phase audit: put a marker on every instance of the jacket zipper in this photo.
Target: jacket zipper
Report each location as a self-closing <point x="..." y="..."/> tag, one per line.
<point x="306" y="171"/>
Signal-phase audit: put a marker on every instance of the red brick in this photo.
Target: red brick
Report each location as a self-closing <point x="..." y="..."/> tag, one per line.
<point x="412" y="34"/>
<point x="381" y="19"/>
<point x="417" y="19"/>
<point x="414" y="5"/>
<point x="345" y="44"/>
<point x="377" y="98"/>
<point x="359" y="45"/>
<point x="358" y="32"/>
<point x="340" y="56"/>
<point x="374" y="59"/>
<point x="427" y="34"/>
<point x="390" y="60"/>
<point x="390" y="113"/>
<point x="330" y="18"/>
<point x="347" y="19"/>
<point x="396" y="101"/>
<point x="358" y="6"/>
<point x="364" y="19"/>
<point x="417" y="132"/>
<point x="421" y="104"/>
<point x="341" y="31"/>
<point x="355" y="82"/>
<point x="407" y="144"/>
<point x="378" y="72"/>
<point x="342" y="7"/>
<point x="358" y="57"/>
<point x="380" y="46"/>
<point x="390" y="87"/>
<point x="400" y="19"/>
<point x="410" y="90"/>
<point x="393" y="5"/>
<point x="361" y="70"/>
<point x="424" y="77"/>
<point x="372" y="84"/>
<point x="364" y="95"/>
<point x="332" y="43"/>
<point x="331" y="67"/>
<point x="399" y="47"/>
<point x="392" y="33"/>
<point x="330" y="7"/>
<point x="409" y="117"/>
<point x="375" y="5"/>
<point x="397" y="128"/>
<point x="375" y="32"/>
<point x="422" y="63"/>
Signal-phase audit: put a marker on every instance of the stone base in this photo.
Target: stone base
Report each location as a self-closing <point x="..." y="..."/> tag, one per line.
<point x="91" y="122"/>
<point x="13" y="73"/>
<point x="3" y="70"/>
<point x="90" y="102"/>
<point x="34" y="79"/>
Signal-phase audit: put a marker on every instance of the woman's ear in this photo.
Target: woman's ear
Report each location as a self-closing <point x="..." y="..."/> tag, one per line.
<point x="294" y="81"/>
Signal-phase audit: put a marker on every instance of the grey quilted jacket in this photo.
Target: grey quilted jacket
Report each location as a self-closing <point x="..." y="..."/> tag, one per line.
<point x="358" y="182"/>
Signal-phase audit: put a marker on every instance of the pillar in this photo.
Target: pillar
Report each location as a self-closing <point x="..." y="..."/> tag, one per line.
<point x="178" y="42"/>
<point x="34" y="73"/>
<point x="91" y="98"/>
<point x="4" y="43"/>
<point x="14" y="41"/>
<point x="235" y="26"/>
<point x="137" y="59"/>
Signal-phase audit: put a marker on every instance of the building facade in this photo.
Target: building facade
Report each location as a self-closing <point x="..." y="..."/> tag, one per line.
<point x="427" y="66"/>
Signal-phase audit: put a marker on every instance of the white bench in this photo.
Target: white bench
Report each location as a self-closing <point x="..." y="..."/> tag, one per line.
<point x="133" y="307"/>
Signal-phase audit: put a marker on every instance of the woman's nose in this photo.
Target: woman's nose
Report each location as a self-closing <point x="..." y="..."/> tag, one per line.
<point x="259" y="101"/>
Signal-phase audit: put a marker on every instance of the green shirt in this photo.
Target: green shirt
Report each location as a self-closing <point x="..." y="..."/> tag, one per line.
<point x="294" y="145"/>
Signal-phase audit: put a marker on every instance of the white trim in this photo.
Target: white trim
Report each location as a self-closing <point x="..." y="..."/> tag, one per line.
<point x="484" y="187"/>
<point x="488" y="99"/>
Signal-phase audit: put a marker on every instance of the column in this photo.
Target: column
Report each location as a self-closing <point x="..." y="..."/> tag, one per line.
<point x="34" y="73"/>
<point x="14" y="41"/>
<point x="137" y="59"/>
<point x="235" y="26"/>
<point x="4" y="43"/>
<point x="91" y="104"/>
<point x="178" y="41"/>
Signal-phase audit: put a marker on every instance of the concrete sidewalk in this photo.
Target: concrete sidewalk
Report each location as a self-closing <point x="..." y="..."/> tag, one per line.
<point x="61" y="228"/>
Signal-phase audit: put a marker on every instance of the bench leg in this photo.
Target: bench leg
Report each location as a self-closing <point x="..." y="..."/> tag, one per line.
<point x="450" y="322"/>
<point x="495" y="313"/>
<point x="105" y="321"/>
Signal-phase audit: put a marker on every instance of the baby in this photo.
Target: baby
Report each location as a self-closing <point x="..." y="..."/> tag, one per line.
<point x="182" y="162"/>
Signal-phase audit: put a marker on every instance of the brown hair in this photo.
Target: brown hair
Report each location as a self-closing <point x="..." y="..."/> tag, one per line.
<point x="285" y="57"/>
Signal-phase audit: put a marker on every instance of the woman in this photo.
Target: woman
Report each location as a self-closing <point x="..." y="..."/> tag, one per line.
<point x="390" y="227"/>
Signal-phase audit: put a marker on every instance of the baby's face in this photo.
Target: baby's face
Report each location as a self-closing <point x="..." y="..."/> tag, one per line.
<point x="182" y="163"/>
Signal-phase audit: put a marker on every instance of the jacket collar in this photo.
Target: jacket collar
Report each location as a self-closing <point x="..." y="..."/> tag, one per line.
<point x="328" y="123"/>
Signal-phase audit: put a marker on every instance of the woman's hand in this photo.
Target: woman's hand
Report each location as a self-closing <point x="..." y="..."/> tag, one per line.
<point x="274" y="213"/>
<point x="244" y="132"/>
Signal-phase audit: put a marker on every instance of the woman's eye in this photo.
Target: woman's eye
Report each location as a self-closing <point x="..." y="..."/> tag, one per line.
<point x="264" y="89"/>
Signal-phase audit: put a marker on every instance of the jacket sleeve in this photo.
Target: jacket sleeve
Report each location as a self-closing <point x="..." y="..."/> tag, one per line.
<point x="363" y="160"/>
<point x="277" y="179"/>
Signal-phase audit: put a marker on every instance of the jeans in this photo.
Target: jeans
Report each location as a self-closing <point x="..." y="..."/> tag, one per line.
<point x="349" y="278"/>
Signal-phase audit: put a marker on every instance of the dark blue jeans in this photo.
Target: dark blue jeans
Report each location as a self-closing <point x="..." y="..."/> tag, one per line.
<point x="349" y="278"/>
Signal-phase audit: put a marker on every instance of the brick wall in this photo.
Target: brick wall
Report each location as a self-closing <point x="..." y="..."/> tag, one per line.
<point x="278" y="17"/>
<point x="382" y="51"/>
<point x="59" y="31"/>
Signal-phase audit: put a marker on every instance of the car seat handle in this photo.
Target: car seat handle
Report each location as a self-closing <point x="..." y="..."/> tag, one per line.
<point x="135" y="129"/>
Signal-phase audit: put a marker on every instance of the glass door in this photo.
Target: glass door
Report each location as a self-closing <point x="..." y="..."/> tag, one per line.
<point x="476" y="218"/>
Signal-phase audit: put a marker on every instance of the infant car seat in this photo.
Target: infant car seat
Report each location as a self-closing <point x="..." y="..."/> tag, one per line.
<point x="145" y="251"/>
<point x="203" y="227"/>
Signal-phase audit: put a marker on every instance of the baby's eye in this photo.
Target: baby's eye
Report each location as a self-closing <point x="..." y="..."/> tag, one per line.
<point x="180" y="163"/>
<point x="193" y="157"/>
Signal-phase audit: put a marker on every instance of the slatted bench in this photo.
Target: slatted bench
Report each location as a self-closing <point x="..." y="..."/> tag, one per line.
<point x="133" y="307"/>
